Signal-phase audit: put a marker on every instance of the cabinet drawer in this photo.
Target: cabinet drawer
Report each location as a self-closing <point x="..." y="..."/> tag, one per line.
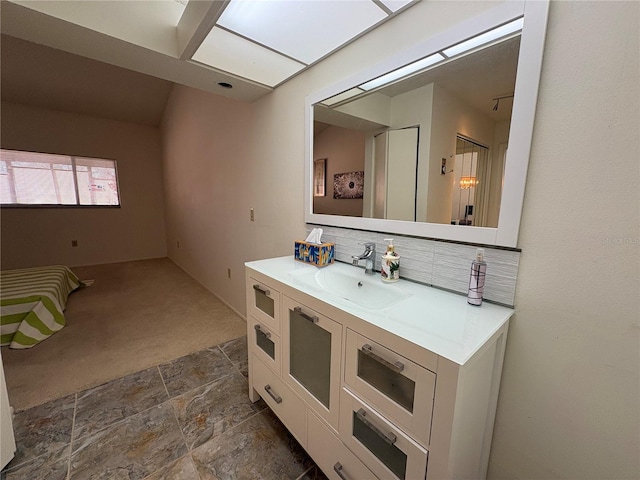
<point x="385" y="449"/>
<point x="330" y="454"/>
<point x="289" y="408"/>
<point x="264" y="304"/>
<point x="265" y="344"/>
<point x="397" y="387"/>
<point x="311" y="356"/>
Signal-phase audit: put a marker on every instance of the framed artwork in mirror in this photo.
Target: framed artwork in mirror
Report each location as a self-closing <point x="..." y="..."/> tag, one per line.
<point x="348" y="185"/>
<point x="319" y="172"/>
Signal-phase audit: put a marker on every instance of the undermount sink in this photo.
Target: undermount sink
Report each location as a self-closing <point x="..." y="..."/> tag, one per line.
<point x="351" y="284"/>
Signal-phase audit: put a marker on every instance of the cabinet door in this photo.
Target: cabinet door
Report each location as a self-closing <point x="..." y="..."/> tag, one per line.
<point x="399" y="388"/>
<point x="264" y="304"/>
<point x="312" y="345"/>
<point x="385" y="449"/>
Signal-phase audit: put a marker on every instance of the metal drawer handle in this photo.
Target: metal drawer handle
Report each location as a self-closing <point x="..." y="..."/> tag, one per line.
<point x="258" y="288"/>
<point x="259" y="329"/>
<point x="276" y="398"/>
<point x="388" y="437"/>
<point x="306" y="316"/>
<point x="338" y="469"/>
<point x="395" y="366"/>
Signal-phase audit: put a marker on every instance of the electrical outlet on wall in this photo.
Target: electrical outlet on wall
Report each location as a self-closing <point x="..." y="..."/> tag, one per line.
<point x="252" y="215"/>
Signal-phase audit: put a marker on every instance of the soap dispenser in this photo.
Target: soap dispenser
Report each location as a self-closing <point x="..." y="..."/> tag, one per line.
<point x="390" y="270"/>
<point x="476" y="279"/>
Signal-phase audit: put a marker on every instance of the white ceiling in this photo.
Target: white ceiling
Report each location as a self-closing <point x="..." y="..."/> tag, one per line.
<point x="118" y="59"/>
<point x="33" y="74"/>
<point x="200" y="43"/>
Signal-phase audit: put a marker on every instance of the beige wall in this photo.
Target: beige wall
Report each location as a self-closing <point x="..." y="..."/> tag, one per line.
<point x="451" y="117"/>
<point x="42" y="236"/>
<point x="570" y="401"/>
<point x="208" y="179"/>
<point x="344" y="150"/>
<point x="568" y="406"/>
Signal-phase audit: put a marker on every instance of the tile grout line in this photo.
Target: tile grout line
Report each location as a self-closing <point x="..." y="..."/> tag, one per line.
<point x="163" y="382"/>
<point x="175" y="416"/>
<point x="227" y="357"/>
<point x="73" y="427"/>
<point x="231" y="361"/>
<point x="189" y="451"/>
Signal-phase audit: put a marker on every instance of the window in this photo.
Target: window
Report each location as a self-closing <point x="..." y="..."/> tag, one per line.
<point x="28" y="178"/>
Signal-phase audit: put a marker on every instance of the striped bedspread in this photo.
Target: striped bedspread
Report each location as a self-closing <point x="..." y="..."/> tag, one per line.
<point x="31" y="303"/>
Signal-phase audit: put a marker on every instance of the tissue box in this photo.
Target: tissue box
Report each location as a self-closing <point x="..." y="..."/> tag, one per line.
<point x="316" y="254"/>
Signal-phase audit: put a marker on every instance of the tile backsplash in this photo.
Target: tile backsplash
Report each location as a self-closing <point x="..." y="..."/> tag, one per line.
<point x="433" y="262"/>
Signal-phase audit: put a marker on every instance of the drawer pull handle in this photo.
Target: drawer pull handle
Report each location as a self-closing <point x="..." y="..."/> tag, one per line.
<point x="338" y="469"/>
<point x="306" y="316"/>
<point x="388" y="437"/>
<point x="276" y="398"/>
<point x="258" y="288"/>
<point x="368" y="351"/>
<point x="258" y="329"/>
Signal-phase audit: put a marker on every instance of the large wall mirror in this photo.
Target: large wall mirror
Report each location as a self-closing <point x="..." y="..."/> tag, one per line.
<point x="435" y="141"/>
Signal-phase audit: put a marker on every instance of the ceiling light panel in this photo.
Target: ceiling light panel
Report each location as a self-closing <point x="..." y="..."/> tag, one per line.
<point x="395" y="5"/>
<point x="225" y="51"/>
<point x="304" y="30"/>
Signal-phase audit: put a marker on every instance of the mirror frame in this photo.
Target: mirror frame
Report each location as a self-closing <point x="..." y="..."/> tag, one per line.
<point x="524" y="106"/>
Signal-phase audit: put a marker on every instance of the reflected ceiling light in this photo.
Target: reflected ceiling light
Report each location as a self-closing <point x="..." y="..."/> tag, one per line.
<point x="486" y="37"/>
<point x="403" y="72"/>
<point x="342" y="96"/>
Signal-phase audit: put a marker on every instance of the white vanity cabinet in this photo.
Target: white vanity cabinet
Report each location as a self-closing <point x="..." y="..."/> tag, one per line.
<point x="404" y="392"/>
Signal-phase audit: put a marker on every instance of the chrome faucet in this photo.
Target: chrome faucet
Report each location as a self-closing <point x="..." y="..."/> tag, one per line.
<point x="369" y="255"/>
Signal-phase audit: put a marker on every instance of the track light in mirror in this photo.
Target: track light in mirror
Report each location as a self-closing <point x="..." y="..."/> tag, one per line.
<point x="497" y="100"/>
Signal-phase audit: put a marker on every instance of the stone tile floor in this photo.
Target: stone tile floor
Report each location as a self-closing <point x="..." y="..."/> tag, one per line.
<point x="189" y="419"/>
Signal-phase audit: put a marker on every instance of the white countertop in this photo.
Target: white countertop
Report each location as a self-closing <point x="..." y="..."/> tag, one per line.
<point x="439" y="321"/>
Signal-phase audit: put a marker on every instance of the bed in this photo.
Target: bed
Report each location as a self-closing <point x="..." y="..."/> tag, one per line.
<point x="32" y="302"/>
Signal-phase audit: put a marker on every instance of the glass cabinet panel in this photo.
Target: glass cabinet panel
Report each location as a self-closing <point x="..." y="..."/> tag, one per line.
<point x="386" y="378"/>
<point x="379" y="444"/>
<point x="263" y="340"/>
<point x="310" y="355"/>
<point x="263" y="301"/>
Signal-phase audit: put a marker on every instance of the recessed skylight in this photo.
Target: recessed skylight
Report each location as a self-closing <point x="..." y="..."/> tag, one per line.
<point x="395" y="5"/>
<point x="303" y="30"/>
<point x="236" y="55"/>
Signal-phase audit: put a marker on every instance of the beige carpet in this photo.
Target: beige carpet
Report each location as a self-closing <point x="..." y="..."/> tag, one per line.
<point x="134" y="316"/>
